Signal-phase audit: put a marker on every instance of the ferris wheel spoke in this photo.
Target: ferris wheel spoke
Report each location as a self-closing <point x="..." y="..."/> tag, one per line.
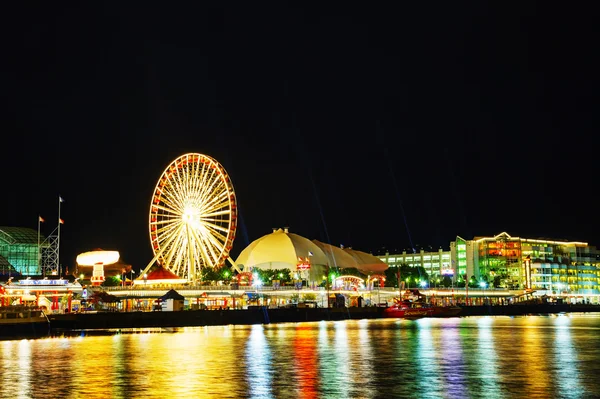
<point x="171" y="201"/>
<point x="178" y="185"/>
<point x="166" y="235"/>
<point x="169" y="238"/>
<point x="202" y="246"/>
<point x="174" y="244"/>
<point x="211" y="257"/>
<point x="165" y="221"/>
<point x="178" y="194"/>
<point x="167" y="209"/>
<point x="216" y="244"/>
<point x="216" y="229"/>
<point x="179" y="262"/>
<point x="215" y="248"/>
<point x="170" y="189"/>
<point x="214" y="238"/>
<point x="208" y="216"/>
<point x="192" y="264"/>
<point x="217" y="202"/>
<point x="215" y="207"/>
<point x="209" y="189"/>
<point x="167" y="228"/>
<point x="200" y="179"/>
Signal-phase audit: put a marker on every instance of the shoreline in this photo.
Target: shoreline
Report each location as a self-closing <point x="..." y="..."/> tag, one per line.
<point x="263" y="315"/>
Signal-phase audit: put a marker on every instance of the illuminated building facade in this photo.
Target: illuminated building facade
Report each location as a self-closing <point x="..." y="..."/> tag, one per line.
<point x="435" y="263"/>
<point x="19" y="251"/>
<point x="549" y="266"/>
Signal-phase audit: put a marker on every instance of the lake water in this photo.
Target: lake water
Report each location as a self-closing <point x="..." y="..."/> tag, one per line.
<point x="554" y="356"/>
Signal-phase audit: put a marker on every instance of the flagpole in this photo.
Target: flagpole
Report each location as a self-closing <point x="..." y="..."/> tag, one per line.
<point x="38" y="247"/>
<point x="58" y="240"/>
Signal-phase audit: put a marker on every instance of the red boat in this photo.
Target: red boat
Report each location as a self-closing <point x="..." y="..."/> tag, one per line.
<point x="415" y="309"/>
<point x="408" y="310"/>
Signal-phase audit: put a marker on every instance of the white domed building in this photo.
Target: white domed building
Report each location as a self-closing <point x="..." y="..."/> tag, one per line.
<point x="284" y="250"/>
<point x="337" y="257"/>
<point x="367" y="263"/>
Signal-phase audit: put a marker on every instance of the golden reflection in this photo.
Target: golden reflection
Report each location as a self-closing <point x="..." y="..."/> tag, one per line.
<point x="496" y="357"/>
<point x="22" y="384"/>
<point x="530" y="354"/>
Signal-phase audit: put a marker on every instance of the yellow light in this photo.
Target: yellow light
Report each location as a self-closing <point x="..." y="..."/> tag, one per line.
<point x="92" y="258"/>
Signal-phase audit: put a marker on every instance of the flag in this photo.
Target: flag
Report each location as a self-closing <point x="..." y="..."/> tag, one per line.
<point x="60" y="199"/>
<point x="310" y="253"/>
<point x="42" y="219"/>
<point x="61" y="221"/>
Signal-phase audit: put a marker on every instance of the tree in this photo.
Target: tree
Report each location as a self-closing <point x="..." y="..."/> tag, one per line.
<point x="406" y="272"/>
<point x="447" y="281"/>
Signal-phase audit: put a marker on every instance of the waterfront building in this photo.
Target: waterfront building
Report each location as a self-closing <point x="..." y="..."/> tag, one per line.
<point x="52" y="294"/>
<point x="548" y="266"/>
<point x="19" y="251"/>
<point x="436" y="264"/>
<point x="310" y="260"/>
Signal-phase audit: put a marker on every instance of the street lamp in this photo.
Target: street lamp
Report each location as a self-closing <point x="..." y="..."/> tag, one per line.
<point x="483" y="284"/>
<point x="257" y="284"/>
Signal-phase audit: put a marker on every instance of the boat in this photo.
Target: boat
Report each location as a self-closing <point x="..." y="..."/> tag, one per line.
<point x="21" y="321"/>
<point x="412" y="305"/>
<point x="407" y="309"/>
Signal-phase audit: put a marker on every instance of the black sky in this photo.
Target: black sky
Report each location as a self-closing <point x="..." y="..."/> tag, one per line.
<point x="472" y="118"/>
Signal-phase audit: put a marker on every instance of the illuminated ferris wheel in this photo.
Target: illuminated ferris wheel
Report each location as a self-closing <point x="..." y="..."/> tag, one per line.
<point x="193" y="216"/>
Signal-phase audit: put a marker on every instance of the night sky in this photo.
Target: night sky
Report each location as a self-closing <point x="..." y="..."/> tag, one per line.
<point x="368" y="127"/>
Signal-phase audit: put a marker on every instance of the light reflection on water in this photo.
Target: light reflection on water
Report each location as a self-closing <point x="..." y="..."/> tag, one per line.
<point x="475" y="357"/>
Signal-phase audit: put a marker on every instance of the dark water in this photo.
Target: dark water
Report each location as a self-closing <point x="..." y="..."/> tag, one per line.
<point x="475" y="357"/>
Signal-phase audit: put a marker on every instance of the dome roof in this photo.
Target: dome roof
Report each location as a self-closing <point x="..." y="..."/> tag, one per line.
<point x="336" y="256"/>
<point x="367" y="263"/>
<point x="283" y="250"/>
<point x="160" y="275"/>
<point x="19" y="235"/>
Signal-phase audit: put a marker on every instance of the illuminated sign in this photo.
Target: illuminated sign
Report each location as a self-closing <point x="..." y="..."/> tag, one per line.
<point x="43" y="282"/>
<point x="447" y="272"/>
<point x="303" y="266"/>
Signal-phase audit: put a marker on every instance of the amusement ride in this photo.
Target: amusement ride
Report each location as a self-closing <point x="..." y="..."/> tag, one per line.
<point x="193" y="217"/>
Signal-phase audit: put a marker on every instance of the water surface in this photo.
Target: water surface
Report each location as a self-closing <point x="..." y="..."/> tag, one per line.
<point x="556" y="356"/>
